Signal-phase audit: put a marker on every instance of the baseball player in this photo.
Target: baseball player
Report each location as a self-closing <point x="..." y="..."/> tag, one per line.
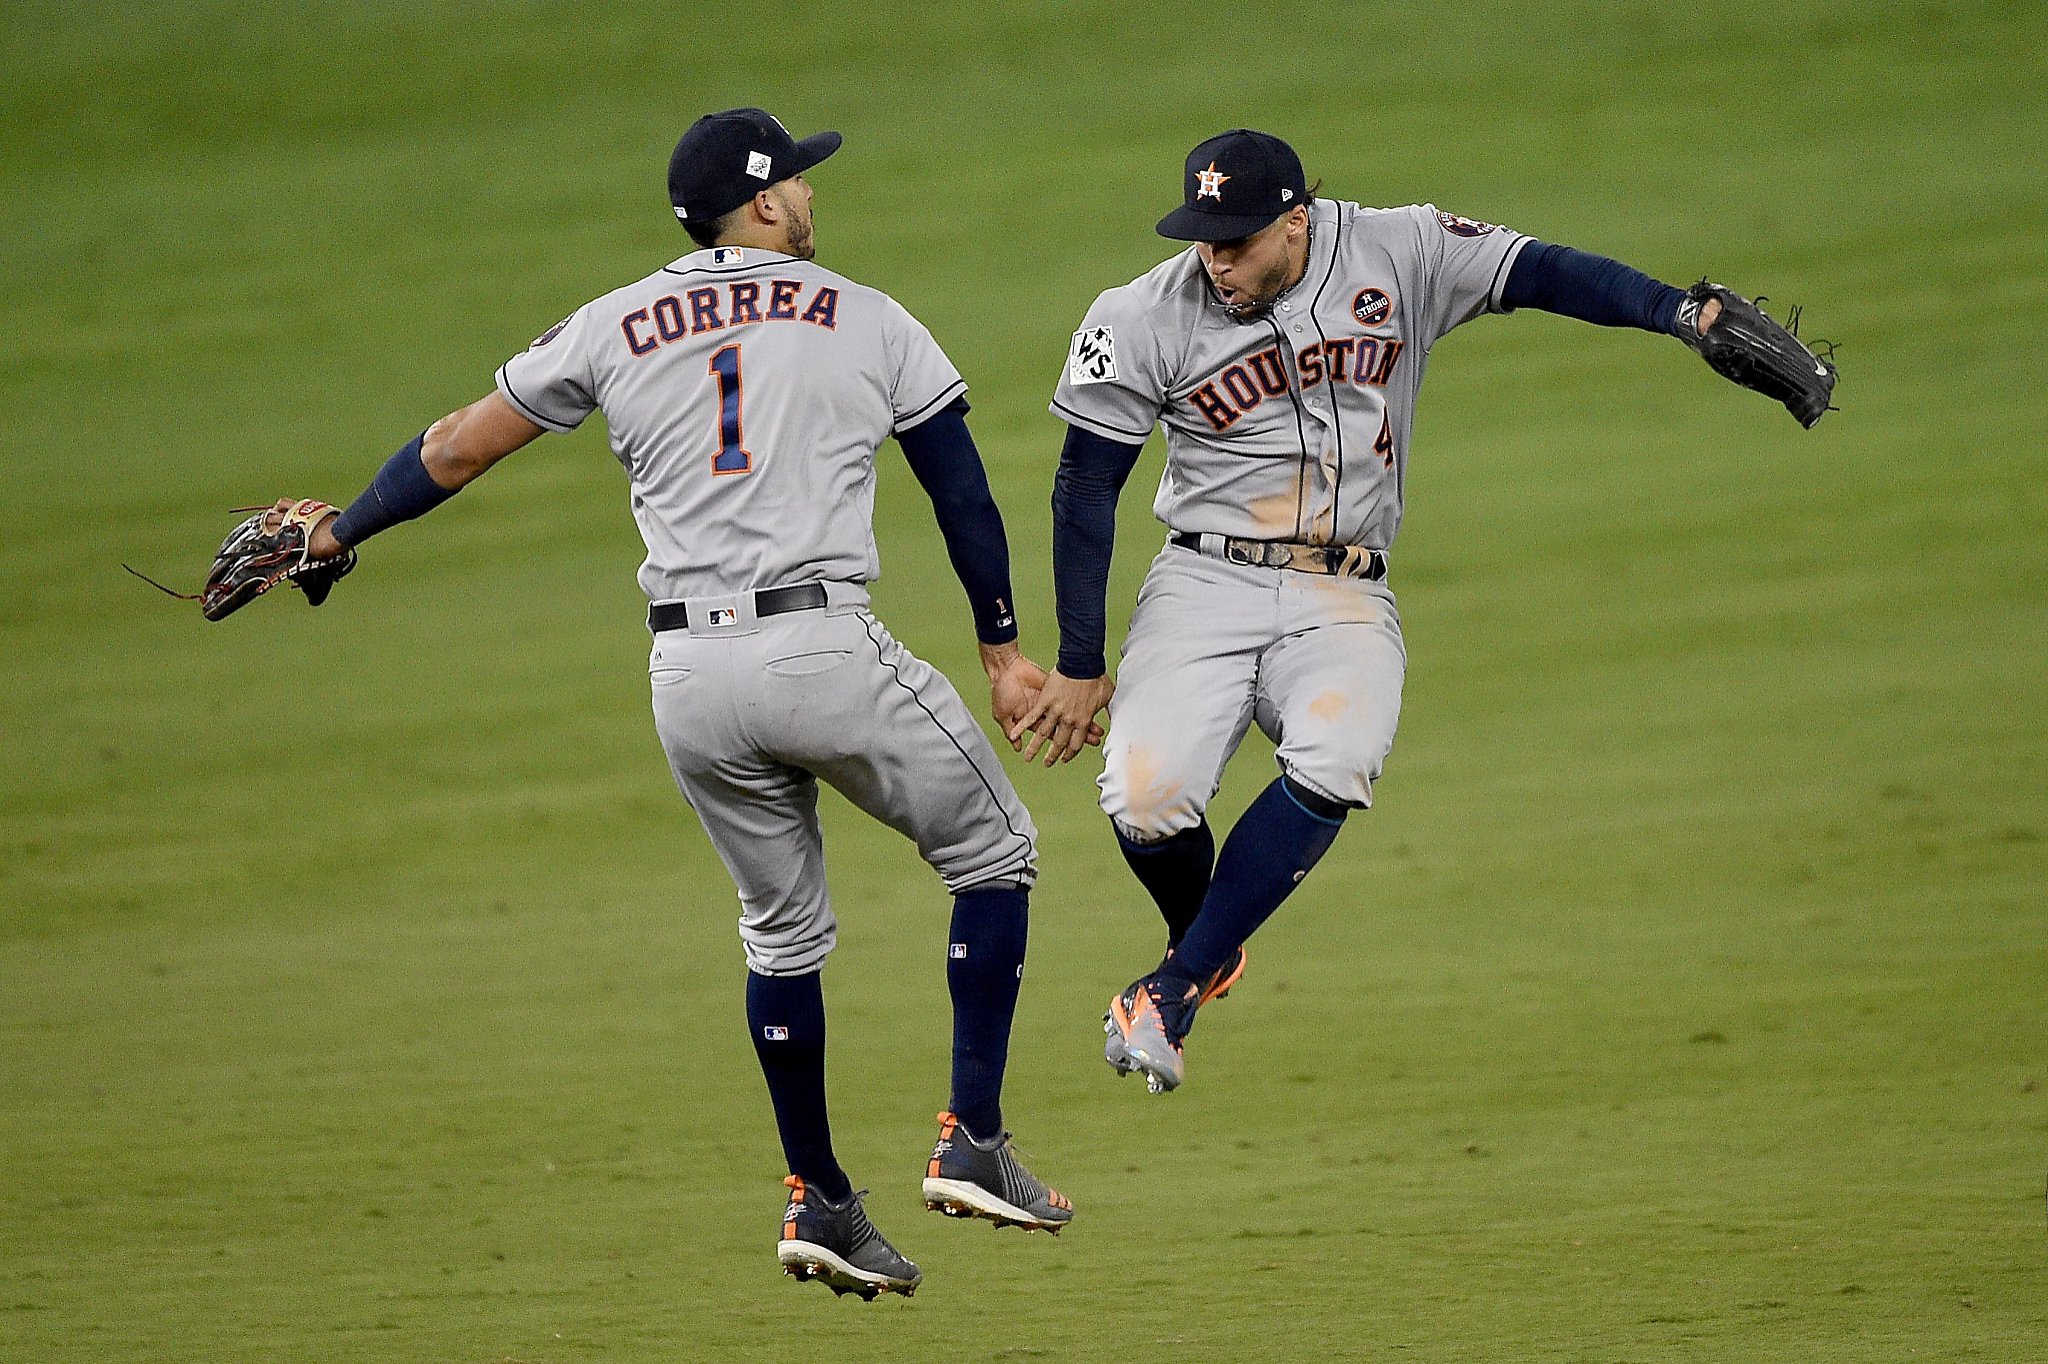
<point x="1282" y="352"/>
<point x="747" y="389"/>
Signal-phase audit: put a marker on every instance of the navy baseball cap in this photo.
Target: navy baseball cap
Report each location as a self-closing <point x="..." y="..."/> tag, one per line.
<point x="725" y="158"/>
<point x="1237" y="182"/>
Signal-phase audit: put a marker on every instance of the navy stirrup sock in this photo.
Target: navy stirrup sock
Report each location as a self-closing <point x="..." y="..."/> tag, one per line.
<point x="786" y="1015"/>
<point x="984" y="964"/>
<point x="1278" y="839"/>
<point x="1175" y="871"/>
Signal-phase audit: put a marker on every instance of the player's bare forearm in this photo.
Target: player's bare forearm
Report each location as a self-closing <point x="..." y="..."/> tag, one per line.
<point x="1062" y="721"/>
<point x="462" y="445"/>
<point x="452" y="452"/>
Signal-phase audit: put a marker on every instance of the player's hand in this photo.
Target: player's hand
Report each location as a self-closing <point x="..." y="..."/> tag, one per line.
<point x="1062" y="721"/>
<point x="321" y="544"/>
<point x="1013" y="682"/>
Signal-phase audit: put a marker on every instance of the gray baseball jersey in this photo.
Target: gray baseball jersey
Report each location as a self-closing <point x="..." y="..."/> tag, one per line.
<point x="1294" y="426"/>
<point x="746" y="392"/>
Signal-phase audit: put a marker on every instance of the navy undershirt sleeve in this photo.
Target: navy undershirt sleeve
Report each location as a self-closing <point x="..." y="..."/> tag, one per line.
<point x="941" y="453"/>
<point x="1558" y="279"/>
<point x="1092" y="473"/>
<point x="401" y="491"/>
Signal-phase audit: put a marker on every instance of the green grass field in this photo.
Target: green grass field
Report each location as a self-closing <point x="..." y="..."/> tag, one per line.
<point x="366" y="992"/>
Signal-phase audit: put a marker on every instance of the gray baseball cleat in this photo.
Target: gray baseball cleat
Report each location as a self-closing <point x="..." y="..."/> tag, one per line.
<point x="839" y="1247"/>
<point x="1116" y="1050"/>
<point x="968" y="1178"/>
<point x="1145" y="1025"/>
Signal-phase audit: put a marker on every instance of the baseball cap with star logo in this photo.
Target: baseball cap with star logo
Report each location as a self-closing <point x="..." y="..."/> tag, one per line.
<point x="725" y="157"/>
<point x="1237" y="182"/>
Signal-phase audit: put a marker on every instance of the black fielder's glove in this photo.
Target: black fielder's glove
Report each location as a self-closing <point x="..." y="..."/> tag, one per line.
<point x="1743" y="344"/>
<point x="267" y="549"/>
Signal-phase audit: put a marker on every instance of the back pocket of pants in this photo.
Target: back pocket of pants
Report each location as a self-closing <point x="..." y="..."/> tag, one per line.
<point x="810" y="664"/>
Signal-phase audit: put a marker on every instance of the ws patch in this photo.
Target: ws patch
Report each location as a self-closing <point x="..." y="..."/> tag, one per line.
<point x="1093" y="357"/>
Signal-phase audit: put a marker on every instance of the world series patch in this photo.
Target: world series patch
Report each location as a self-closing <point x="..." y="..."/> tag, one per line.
<point x="1093" y="357"/>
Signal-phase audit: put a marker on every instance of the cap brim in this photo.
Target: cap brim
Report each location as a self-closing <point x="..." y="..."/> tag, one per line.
<point x="815" y="148"/>
<point x="1185" y="224"/>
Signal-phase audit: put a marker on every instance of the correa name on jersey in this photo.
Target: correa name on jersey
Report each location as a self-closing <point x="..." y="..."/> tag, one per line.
<point x="738" y="303"/>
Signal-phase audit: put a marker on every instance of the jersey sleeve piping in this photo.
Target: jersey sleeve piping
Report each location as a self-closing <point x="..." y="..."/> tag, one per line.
<point x="527" y="409"/>
<point x="1100" y="428"/>
<point x="1500" y="274"/>
<point x="927" y="410"/>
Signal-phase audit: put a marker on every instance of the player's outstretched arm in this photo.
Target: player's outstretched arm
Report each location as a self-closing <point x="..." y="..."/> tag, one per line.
<point x="1092" y="473"/>
<point x="427" y="471"/>
<point x="942" y="455"/>
<point x="1732" y="334"/>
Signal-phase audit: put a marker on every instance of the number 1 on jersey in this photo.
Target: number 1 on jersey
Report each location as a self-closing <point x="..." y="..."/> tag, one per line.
<point x="733" y="456"/>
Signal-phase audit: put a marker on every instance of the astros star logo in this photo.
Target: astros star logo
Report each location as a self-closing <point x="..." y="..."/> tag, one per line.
<point x="1211" y="183"/>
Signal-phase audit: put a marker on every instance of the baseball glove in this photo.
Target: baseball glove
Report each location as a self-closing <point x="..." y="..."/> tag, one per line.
<point x="265" y="550"/>
<point x="1745" y="345"/>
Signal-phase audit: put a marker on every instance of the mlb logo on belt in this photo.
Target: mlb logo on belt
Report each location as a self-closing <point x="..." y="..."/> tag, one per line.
<point x="723" y="615"/>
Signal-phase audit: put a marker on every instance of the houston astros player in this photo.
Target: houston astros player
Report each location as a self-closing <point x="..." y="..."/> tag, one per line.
<point x="747" y="389"/>
<point x="1282" y="352"/>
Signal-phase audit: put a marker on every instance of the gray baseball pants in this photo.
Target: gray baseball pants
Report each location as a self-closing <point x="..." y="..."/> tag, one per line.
<point x="1316" y="662"/>
<point x="755" y="712"/>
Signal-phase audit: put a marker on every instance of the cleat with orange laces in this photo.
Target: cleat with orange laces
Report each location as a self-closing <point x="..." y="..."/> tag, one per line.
<point x="837" y="1246"/>
<point x="971" y="1178"/>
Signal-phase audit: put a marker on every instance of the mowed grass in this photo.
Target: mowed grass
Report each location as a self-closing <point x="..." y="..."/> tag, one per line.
<point x="366" y="992"/>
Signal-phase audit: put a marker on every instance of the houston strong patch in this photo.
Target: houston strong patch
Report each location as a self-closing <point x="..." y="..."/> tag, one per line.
<point x="1093" y="357"/>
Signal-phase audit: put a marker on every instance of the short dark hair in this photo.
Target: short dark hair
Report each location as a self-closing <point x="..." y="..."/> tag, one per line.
<point x="707" y="233"/>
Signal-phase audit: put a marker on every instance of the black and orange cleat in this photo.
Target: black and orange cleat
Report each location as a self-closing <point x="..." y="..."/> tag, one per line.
<point x="971" y="1178"/>
<point x="836" y="1245"/>
<point x="1227" y="975"/>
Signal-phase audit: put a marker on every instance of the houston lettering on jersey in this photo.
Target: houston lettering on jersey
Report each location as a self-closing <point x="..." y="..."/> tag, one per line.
<point x="718" y="307"/>
<point x="1238" y="388"/>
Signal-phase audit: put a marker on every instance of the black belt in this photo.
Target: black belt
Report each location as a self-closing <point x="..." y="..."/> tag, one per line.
<point x="769" y="601"/>
<point x="1343" y="561"/>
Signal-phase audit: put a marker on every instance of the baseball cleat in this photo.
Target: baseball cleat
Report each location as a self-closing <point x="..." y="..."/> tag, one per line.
<point x="1145" y="1025"/>
<point x="969" y="1178"/>
<point x="1216" y="987"/>
<point x="837" y="1246"/>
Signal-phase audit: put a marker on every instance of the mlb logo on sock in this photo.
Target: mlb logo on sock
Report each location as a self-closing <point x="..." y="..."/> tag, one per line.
<point x="957" y="951"/>
<point x="776" y="1034"/>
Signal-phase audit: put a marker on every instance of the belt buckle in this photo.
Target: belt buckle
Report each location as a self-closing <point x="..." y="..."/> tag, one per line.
<point x="1238" y="551"/>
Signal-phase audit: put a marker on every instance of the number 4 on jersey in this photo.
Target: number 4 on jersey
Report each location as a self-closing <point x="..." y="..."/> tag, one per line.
<point x="1383" y="444"/>
<point x="733" y="456"/>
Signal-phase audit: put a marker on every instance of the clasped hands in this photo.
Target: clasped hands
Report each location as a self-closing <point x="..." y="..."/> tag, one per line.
<point x="1057" y="712"/>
